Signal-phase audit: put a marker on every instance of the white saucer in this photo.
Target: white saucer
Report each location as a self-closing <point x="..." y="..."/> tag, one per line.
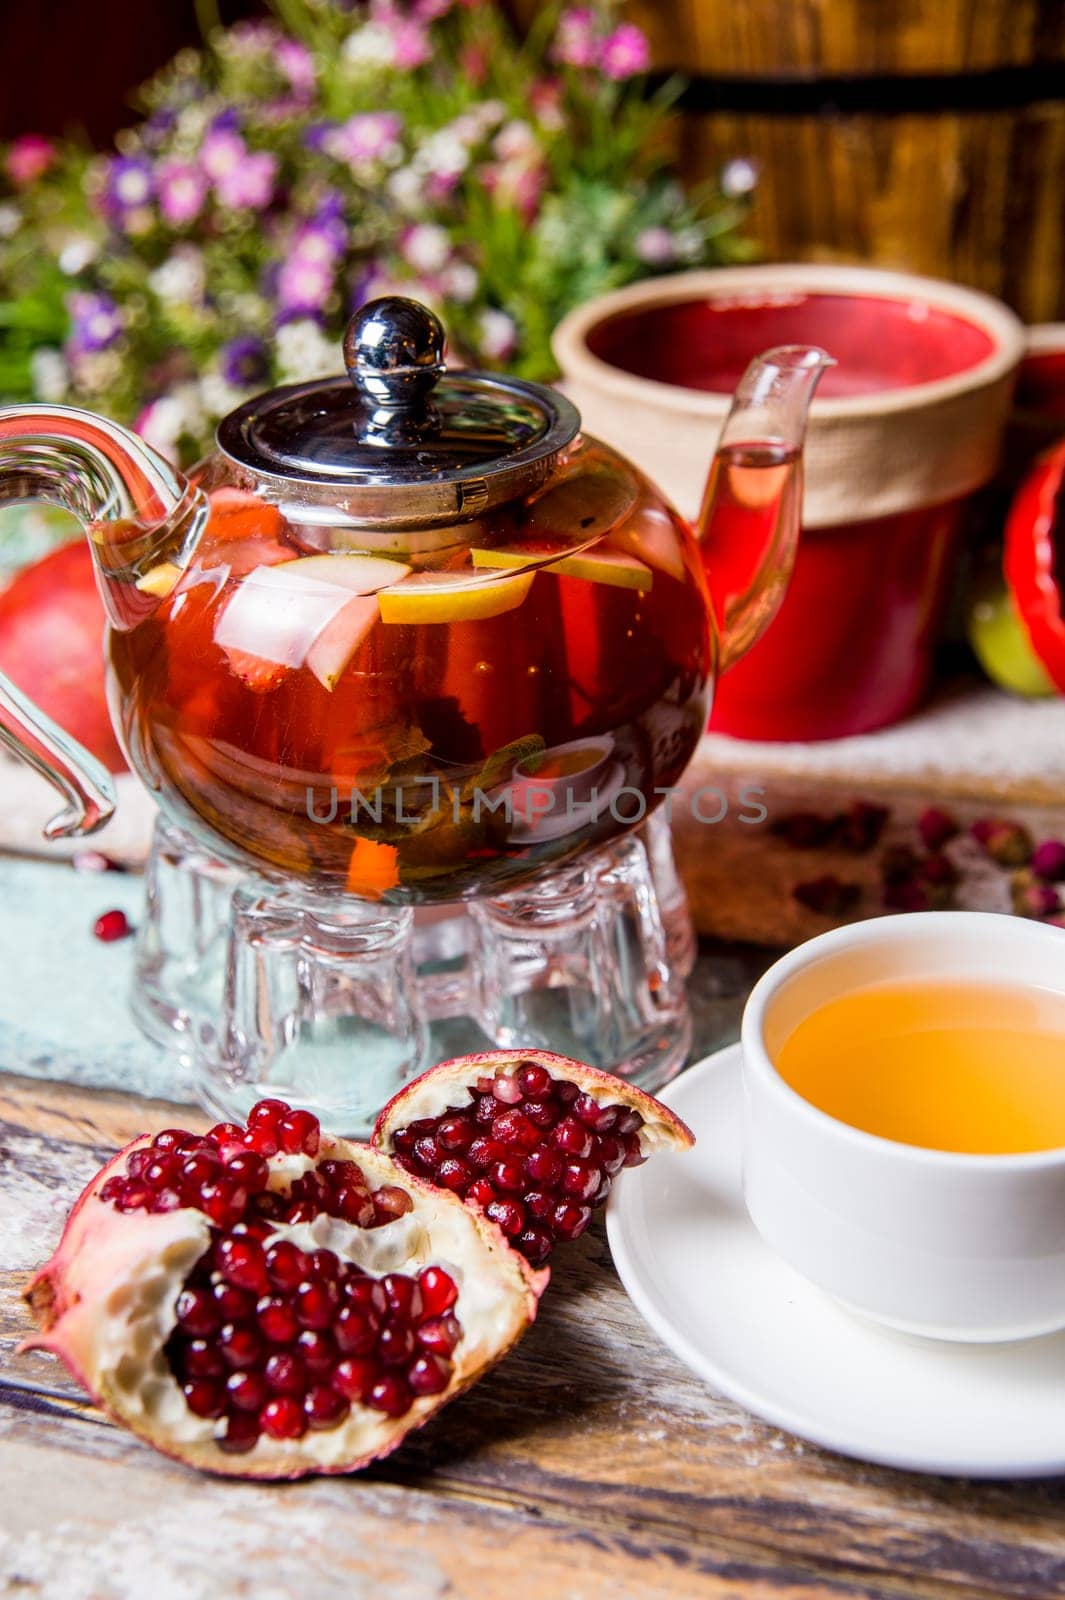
<point x="742" y="1319"/>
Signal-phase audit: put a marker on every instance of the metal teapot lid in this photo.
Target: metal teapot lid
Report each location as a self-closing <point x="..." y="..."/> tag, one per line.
<point x="406" y="443"/>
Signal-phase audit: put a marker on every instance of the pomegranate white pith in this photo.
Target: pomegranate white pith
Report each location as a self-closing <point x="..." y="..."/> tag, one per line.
<point x="533" y="1139"/>
<point x="107" y="1306"/>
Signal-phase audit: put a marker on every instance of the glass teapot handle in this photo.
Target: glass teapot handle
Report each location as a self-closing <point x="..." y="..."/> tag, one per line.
<point x="104" y="475"/>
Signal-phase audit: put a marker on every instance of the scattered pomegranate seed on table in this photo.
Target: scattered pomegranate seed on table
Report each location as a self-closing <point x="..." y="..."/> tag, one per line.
<point x="112" y="925"/>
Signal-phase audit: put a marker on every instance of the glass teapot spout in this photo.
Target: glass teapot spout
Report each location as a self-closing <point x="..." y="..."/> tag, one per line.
<point x="143" y="521"/>
<point x="748" y="527"/>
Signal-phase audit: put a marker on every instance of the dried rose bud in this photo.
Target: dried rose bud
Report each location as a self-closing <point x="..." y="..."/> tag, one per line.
<point x="828" y="896"/>
<point x="899" y="864"/>
<point x="1048" y="861"/>
<point x="904" y="895"/>
<point x="936" y="828"/>
<point x="1032" y="899"/>
<point x="803" y="830"/>
<point x="940" y="877"/>
<point x="1009" y="844"/>
<point x="859" y="828"/>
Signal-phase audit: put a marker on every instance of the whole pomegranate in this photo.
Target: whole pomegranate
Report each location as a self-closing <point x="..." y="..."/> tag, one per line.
<point x="533" y="1140"/>
<point x="51" y="646"/>
<point x="266" y="1301"/>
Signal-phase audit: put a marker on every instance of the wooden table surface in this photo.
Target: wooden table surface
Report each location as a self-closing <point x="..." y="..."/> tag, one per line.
<point x="590" y="1463"/>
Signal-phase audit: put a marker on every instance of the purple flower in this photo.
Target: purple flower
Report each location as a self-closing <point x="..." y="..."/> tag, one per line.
<point x="575" y="43"/>
<point x="305" y="282"/>
<point x="96" y="323"/>
<point x="128" y="186"/>
<point x="181" y="189"/>
<point x="625" y="52"/>
<point x="316" y="135"/>
<point x="244" y="361"/>
<point x="369" y="138"/>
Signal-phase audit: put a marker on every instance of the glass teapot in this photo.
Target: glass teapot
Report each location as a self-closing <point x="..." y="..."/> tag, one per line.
<point x="411" y="637"/>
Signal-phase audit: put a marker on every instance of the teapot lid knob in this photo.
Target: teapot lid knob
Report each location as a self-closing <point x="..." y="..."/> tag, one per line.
<point x="394" y="355"/>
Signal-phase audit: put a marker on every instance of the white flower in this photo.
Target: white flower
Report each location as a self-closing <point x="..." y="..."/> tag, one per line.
<point x="427" y="248"/>
<point x="514" y="141"/>
<point x="304" y="352"/>
<point x="50" y="374"/>
<point x="167" y="420"/>
<point x="369" y="46"/>
<point x="100" y="371"/>
<point x="689" y="244"/>
<point x="443" y="154"/>
<point x="181" y="279"/>
<point x="78" y="252"/>
<point x="739" y="177"/>
<point x="405" y="189"/>
<point x="10" y="217"/>
<point x="656" y="246"/>
<point x="219" y="396"/>
<point x="497" y="334"/>
<point x="459" y="282"/>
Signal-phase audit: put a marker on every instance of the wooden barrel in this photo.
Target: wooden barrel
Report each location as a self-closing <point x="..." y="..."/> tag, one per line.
<point x="921" y="134"/>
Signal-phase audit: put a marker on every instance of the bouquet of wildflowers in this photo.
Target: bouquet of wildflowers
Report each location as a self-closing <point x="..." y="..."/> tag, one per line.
<point x="296" y="167"/>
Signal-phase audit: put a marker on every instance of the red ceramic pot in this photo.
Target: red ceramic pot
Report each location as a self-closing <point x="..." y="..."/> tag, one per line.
<point x="903" y="431"/>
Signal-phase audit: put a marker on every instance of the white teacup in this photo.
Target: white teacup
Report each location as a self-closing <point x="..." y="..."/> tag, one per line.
<point x="948" y="1245"/>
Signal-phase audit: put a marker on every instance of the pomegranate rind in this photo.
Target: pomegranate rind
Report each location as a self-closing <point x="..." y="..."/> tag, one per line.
<point x="433" y="1093"/>
<point x="105" y="1303"/>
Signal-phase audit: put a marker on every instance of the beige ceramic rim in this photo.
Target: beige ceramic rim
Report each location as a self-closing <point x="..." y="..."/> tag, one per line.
<point x="571" y="350"/>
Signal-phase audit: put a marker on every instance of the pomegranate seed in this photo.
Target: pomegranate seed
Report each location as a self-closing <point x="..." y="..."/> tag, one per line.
<point x="507" y="1090"/>
<point x="166" y="1200"/>
<point x="263" y="1140"/>
<point x="268" y="1113"/>
<point x="197" y="1314"/>
<point x="391" y="1201"/>
<point x="249" y="1169"/>
<point x="600" y="1195"/>
<point x="403" y="1141"/>
<point x="368" y="1294"/>
<point x="426" y="1152"/>
<point x="593" y="1115"/>
<point x="299" y="1133"/>
<point x="481" y="1193"/>
<point x="395" y="1344"/>
<point x="317" y="1350"/>
<point x="570" y="1221"/>
<point x="325" y="1265"/>
<point x="564" y="1091"/>
<point x="391" y="1395"/>
<point x="628" y="1122"/>
<point x="573" y="1137"/>
<point x="199" y="1168"/>
<point x="486" y="1110"/>
<point x="169" y="1138"/>
<point x="242" y="1432"/>
<point x="202" y="1360"/>
<point x="223" y="1202"/>
<point x="324" y="1407"/>
<point x="508" y="1214"/>
<point x="514" y="1129"/>
<point x="535" y="1245"/>
<point x="545" y="1166"/>
<point x="277" y="1320"/>
<point x="440" y="1335"/>
<point x="509" y="1175"/>
<point x="540" y="1205"/>
<point x="252" y="1228"/>
<point x="135" y="1197"/>
<point x="113" y="1188"/>
<point x="270" y="1206"/>
<point x="247" y="1391"/>
<point x="137" y="1161"/>
<point x="285" y="1374"/>
<point x="241" y="1347"/>
<point x="283" y="1418"/>
<point x="241" y="1262"/>
<point x="286" y="1265"/>
<point x="234" y="1305"/>
<point x="428" y="1375"/>
<point x="455" y="1134"/>
<point x="543" y="1114"/>
<point x="356" y="1331"/>
<point x="403" y="1295"/>
<point x="316" y="1303"/>
<point x="609" y="1154"/>
<point x="453" y="1174"/>
<point x="438" y="1291"/>
<point x="302" y="1211"/>
<point x="354" y="1204"/>
<point x="162" y="1172"/>
<point x="581" y="1180"/>
<point x="112" y="925"/>
<point x="634" y="1156"/>
<point x="204" y="1398"/>
<point x="354" y="1377"/>
<point x="535" y="1080"/>
<point x="485" y="1152"/>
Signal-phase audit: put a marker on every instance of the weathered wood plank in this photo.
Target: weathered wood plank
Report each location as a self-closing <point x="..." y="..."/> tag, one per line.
<point x="591" y="1437"/>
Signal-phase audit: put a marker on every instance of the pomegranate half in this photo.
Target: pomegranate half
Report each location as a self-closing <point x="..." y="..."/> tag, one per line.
<point x="267" y="1301"/>
<point x="533" y="1140"/>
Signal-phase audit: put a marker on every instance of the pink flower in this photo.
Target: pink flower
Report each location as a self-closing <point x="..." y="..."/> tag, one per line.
<point x="249" y="184"/>
<point x="370" y="137"/>
<point x="304" y="283"/>
<point x="656" y="247"/>
<point x="28" y="157"/>
<point x="625" y="52"/>
<point x="181" y="189"/>
<point x="221" y="151"/>
<point x="297" y="63"/>
<point x="575" y="42"/>
<point x="410" y="43"/>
